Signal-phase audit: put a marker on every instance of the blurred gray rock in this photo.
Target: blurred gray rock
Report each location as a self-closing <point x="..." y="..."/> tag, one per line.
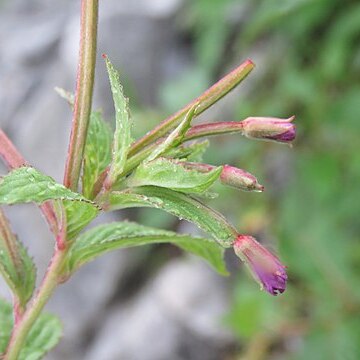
<point x="180" y="309"/>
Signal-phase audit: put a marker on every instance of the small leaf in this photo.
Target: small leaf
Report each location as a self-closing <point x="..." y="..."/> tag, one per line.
<point x="193" y="152"/>
<point x="171" y="174"/>
<point x="27" y="184"/>
<point x="6" y="324"/>
<point x="16" y="266"/>
<point x="66" y="95"/>
<point x="97" y="155"/>
<point x="122" y="136"/>
<point x="176" y="136"/>
<point x="43" y="336"/>
<point x="78" y="215"/>
<point x="178" y="204"/>
<point x="120" y="235"/>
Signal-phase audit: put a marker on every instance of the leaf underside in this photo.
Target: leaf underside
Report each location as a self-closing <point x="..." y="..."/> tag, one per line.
<point x="120" y="235"/>
<point x="178" y="204"/>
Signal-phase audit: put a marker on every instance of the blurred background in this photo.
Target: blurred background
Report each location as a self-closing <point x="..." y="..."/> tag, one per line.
<point x="156" y="303"/>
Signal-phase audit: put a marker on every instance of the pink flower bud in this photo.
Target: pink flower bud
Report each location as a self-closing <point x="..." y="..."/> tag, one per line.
<point x="267" y="128"/>
<point x="239" y="179"/>
<point x="264" y="266"/>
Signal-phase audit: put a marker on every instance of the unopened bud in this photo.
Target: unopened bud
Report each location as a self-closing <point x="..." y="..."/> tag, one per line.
<point x="239" y="179"/>
<point x="267" y="128"/>
<point x="264" y="266"/>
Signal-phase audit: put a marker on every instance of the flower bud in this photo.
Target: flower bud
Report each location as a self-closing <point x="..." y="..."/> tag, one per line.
<point x="239" y="179"/>
<point x="264" y="266"/>
<point x="272" y="129"/>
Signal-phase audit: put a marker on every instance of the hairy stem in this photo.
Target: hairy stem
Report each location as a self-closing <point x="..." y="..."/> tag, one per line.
<point x="84" y="90"/>
<point x="11" y="157"/>
<point x="24" y="324"/>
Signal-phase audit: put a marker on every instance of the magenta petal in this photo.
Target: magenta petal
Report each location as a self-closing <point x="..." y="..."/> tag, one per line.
<point x="286" y="136"/>
<point x="274" y="282"/>
<point x="265" y="267"/>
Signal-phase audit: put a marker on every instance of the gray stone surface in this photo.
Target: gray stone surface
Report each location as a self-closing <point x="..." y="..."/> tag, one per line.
<point x="183" y="306"/>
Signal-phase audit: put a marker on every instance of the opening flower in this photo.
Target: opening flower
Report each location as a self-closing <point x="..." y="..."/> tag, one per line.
<point x="264" y="266"/>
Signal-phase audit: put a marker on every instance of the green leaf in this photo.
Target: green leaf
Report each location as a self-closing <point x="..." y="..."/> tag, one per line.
<point x="6" y="324"/>
<point x="43" y="336"/>
<point x="16" y="266"/>
<point x="78" y="215"/>
<point x="27" y="184"/>
<point x="193" y="152"/>
<point x="97" y="155"/>
<point x="176" y="136"/>
<point x="122" y="136"/>
<point x="178" y="204"/>
<point x="120" y="235"/>
<point x="173" y="175"/>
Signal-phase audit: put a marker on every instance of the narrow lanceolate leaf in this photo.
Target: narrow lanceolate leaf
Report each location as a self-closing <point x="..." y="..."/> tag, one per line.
<point x="120" y="235"/>
<point x="176" y="136"/>
<point x="43" y="336"/>
<point x="171" y="174"/>
<point x="122" y="136"/>
<point x="193" y="152"/>
<point x="178" y="204"/>
<point x="26" y="184"/>
<point x="97" y="155"/>
<point x="16" y="266"/>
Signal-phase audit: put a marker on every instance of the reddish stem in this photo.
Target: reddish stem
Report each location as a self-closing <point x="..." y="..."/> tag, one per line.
<point x="9" y="153"/>
<point x="84" y="90"/>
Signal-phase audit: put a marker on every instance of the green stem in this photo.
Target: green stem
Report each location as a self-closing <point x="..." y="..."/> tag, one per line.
<point x="22" y="328"/>
<point x="208" y="98"/>
<point x="84" y="90"/>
